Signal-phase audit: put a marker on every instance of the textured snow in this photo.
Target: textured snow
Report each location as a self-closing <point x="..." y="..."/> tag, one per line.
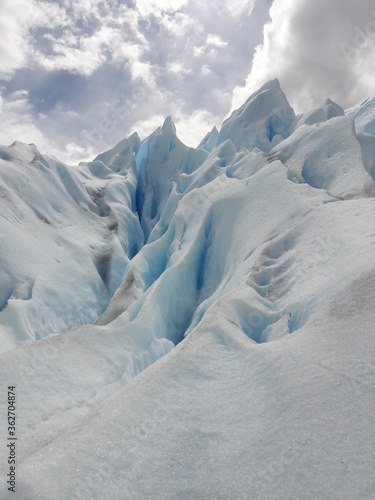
<point x="195" y="323"/>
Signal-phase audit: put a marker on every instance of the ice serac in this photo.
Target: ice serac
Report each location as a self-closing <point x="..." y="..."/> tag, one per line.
<point x="77" y="226"/>
<point x="162" y="158"/>
<point x="327" y="156"/>
<point x="367" y="142"/>
<point x="209" y="141"/>
<point x="364" y="116"/>
<point x="331" y="109"/>
<point x="364" y="119"/>
<point x="261" y="122"/>
<point x="327" y="110"/>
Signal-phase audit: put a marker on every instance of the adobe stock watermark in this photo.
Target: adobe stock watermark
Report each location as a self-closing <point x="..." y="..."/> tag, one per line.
<point x="360" y="40"/>
<point x="117" y="111"/>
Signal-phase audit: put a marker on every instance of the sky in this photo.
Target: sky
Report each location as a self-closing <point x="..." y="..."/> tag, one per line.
<point x="77" y="77"/>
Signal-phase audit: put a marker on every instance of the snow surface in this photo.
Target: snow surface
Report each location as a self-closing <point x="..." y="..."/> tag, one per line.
<point x="195" y="323"/>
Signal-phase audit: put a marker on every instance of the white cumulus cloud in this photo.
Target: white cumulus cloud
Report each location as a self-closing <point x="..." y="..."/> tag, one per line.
<point x="304" y="46"/>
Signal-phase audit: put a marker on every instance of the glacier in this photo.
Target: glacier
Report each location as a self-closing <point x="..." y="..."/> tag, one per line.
<point x="195" y="322"/>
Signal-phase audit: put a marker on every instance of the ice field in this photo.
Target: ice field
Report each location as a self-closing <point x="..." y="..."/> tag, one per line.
<point x="195" y="323"/>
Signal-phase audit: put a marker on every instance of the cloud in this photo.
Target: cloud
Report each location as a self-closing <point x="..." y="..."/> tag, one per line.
<point x="92" y="34"/>
<point x="205" y="70"/>
<point x="89" y="73"/>
<point x="215" y="41"/>
<point x="75" y="37"/>
<point x="179" y="24"/>
<point x="191" y="128"/>
<point x="157" y="7"/>
<point x="237" y="8"/>
<point x="14" y="25"/>
<point x="304" y="46"/>
<point x="144" y="128"/>
<point x="18" y="121"/>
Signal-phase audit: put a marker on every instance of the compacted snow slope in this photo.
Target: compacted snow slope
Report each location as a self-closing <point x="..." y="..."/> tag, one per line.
<point x="222" y="303"/>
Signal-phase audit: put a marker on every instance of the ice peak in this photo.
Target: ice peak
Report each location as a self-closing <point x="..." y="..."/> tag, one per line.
<point x="264" y="115"/>
<point x="331" y="108"/>
<point x="161" y="159"/>
<point x="327" y="102"/>
<point x="169" y="126"/>
<point x="271" y="85"/>
<point x="122" y="149"/>
<point x="209" y="141"/>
